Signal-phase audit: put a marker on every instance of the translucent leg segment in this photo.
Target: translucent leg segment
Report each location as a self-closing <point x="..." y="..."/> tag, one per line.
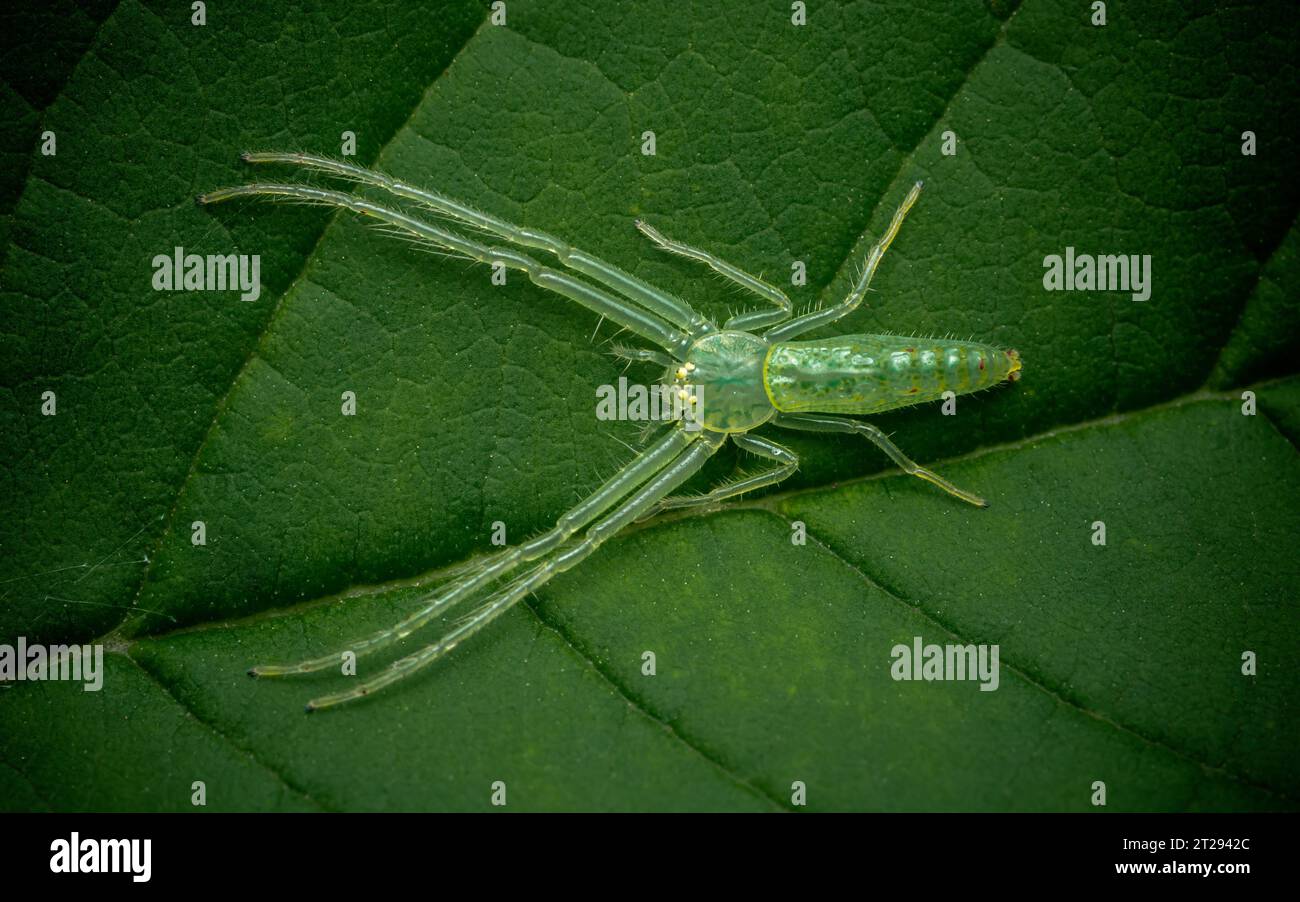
<point x="618" y="310"/>
<point x="801" y="324"/>
<point x="643" y="500"/>
<point x="757" y="319"/>
<point x="652" y="461"/>
<point x="787" y="463"/>
<point x="820" y="423"/>
<point x="641" y="355"/>
<point x="656" y="300"/>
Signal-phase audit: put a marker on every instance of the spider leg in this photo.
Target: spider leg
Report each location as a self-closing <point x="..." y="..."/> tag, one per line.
<point x="671" y="476"/>
<point x="641" y="355"/>
<point x="801" y="324"/>
<point x="820" y="423"/>
<point x="787" y="462"/>
<point x="656" y="300"/>
<point x="756" y="319"/>
<point x="623" y="312"/>
<point x="650" y="462"/>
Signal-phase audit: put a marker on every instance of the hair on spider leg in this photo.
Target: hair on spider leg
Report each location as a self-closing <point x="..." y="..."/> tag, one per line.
<point x="474" y="613"/>
<point x="420" y="243"/>
<point x="212" y="197"/>
<point x="307" y="160"/>
<point x="463" y="224"/>
<point x="411" y="198"/>
<point x="624" y="444"/>
<point x="646" y="432"/>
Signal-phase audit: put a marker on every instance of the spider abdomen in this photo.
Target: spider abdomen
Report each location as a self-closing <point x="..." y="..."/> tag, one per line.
<point x="870" y="373"/>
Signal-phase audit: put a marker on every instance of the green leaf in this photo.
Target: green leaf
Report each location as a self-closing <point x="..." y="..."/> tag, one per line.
<point x="1120" y="663"/>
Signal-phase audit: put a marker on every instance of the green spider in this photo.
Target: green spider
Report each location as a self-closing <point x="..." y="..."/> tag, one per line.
<point x="744" y="375"/>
